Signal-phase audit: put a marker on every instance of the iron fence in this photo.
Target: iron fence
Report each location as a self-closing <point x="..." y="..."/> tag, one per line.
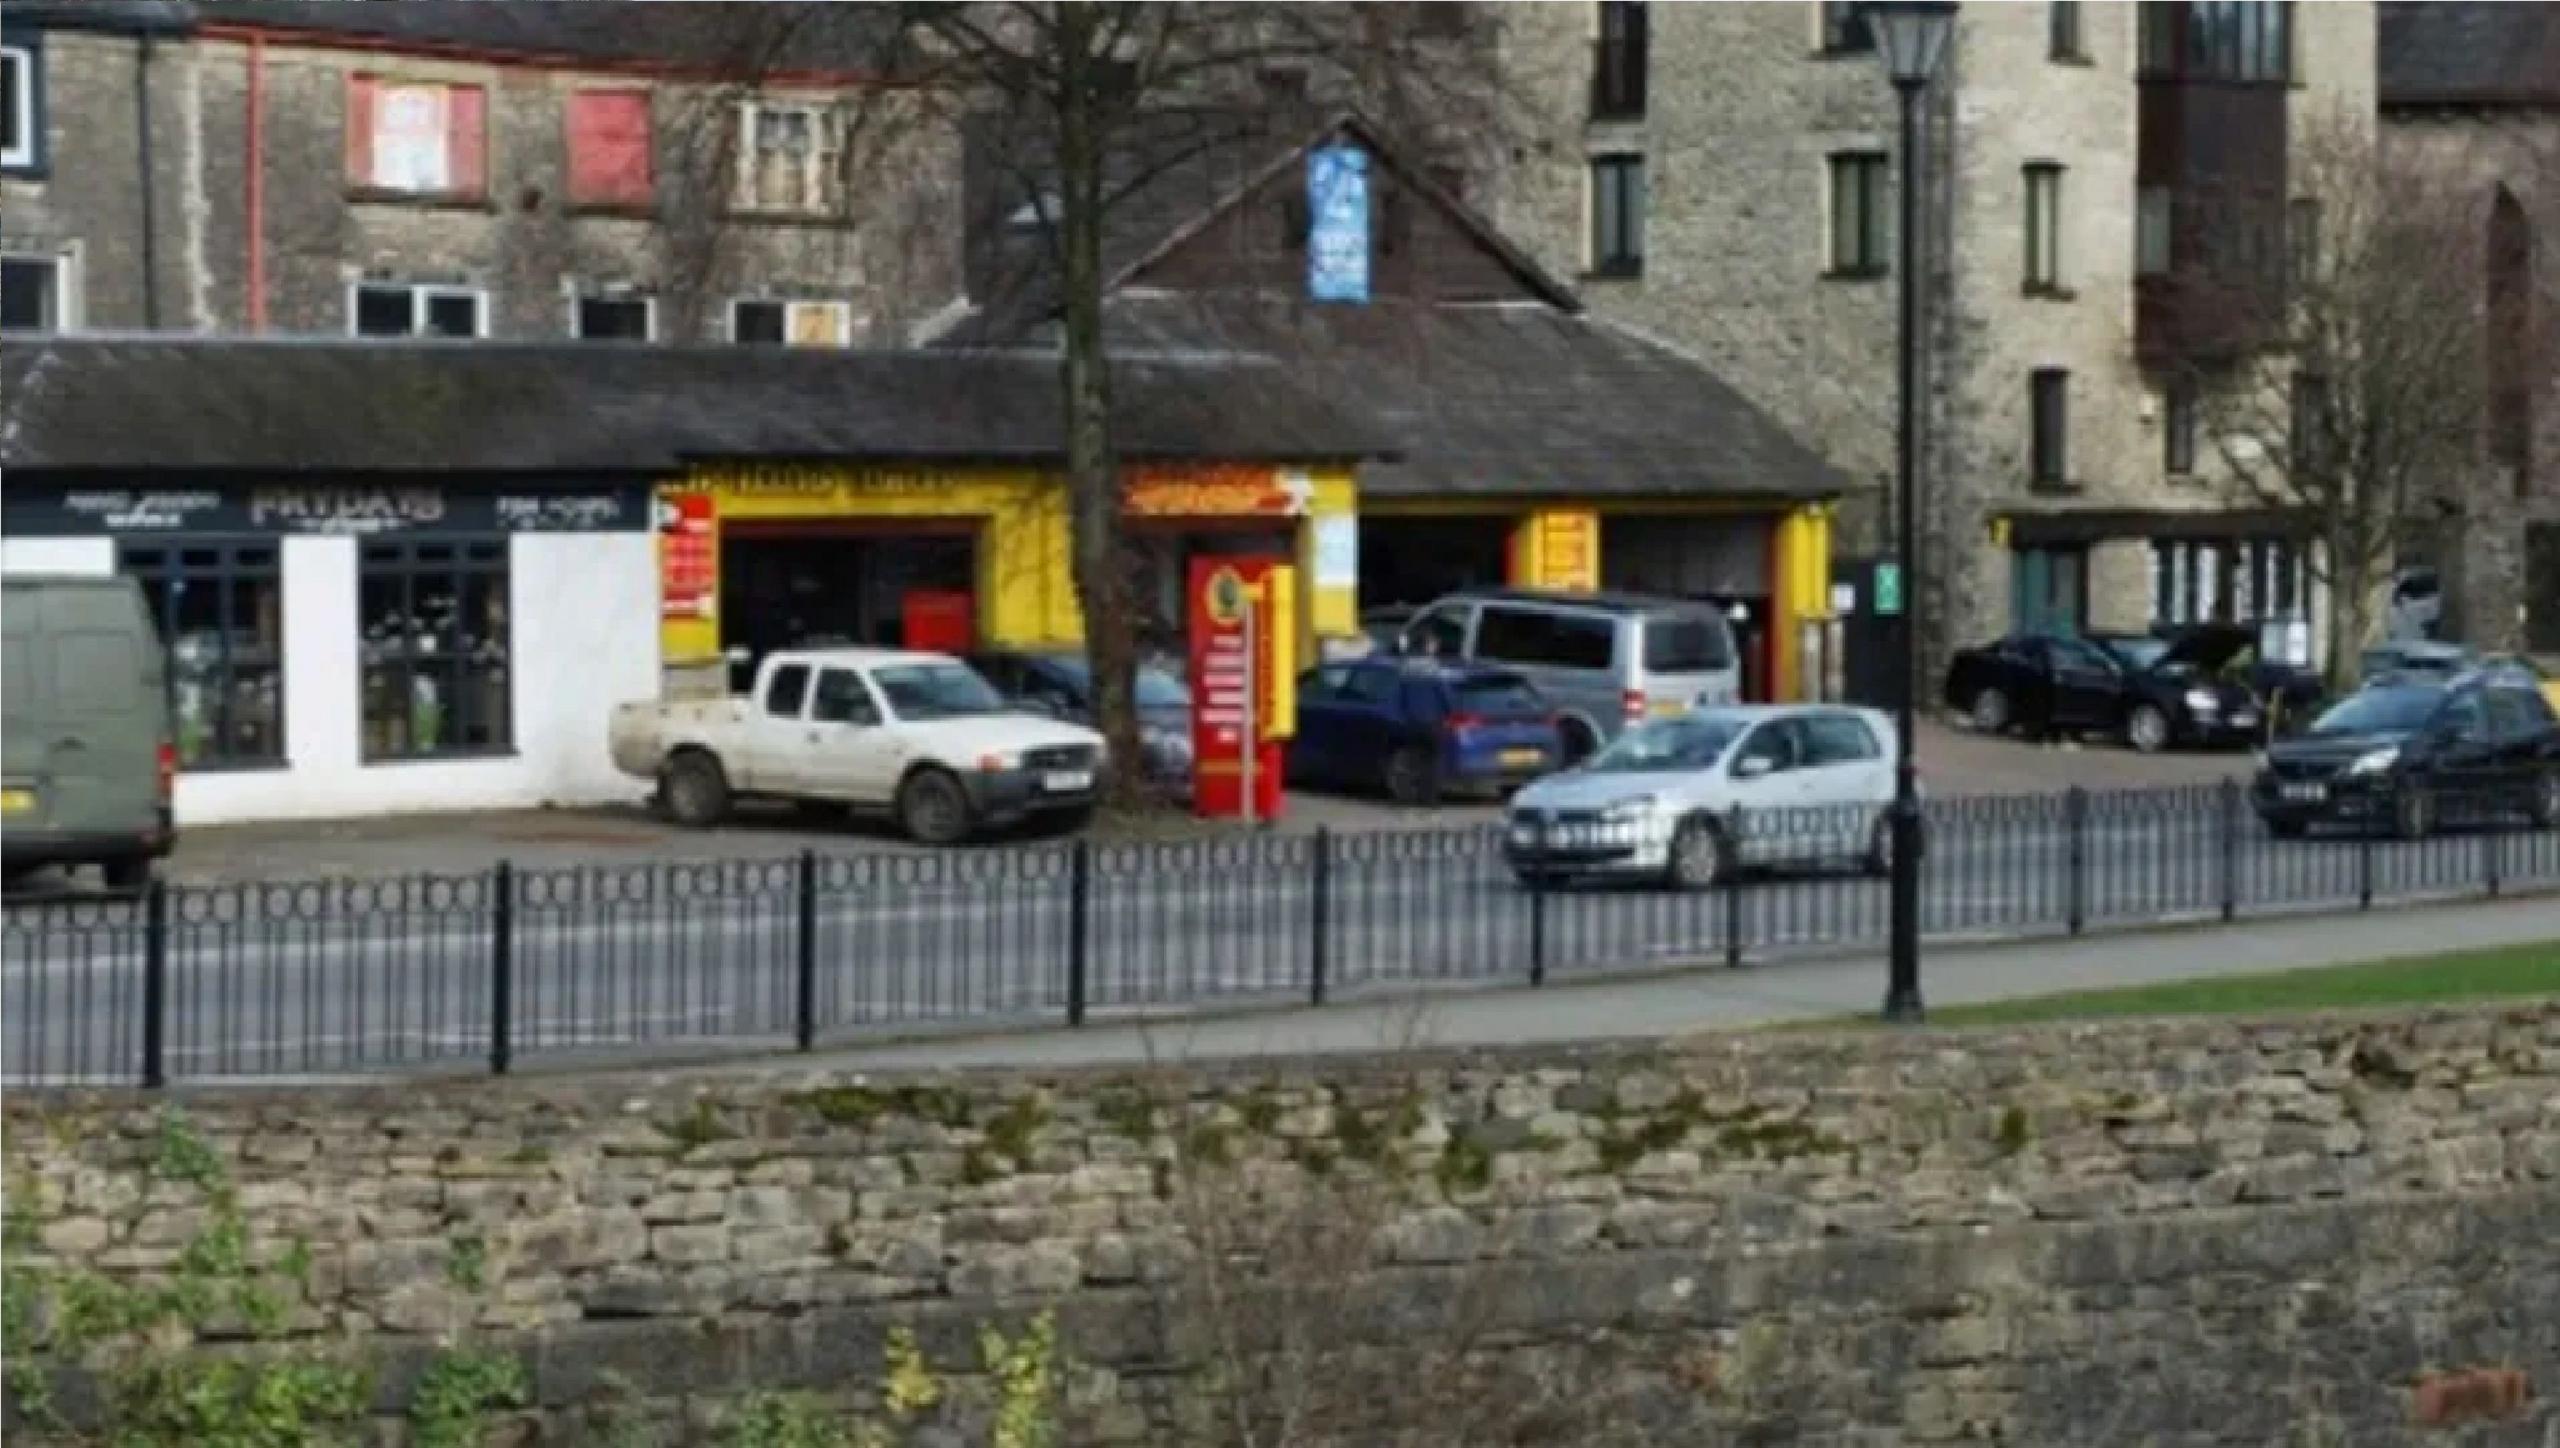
<point x="485" y="970"/>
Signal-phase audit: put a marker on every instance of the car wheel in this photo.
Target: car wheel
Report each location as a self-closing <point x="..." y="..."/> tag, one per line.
<point x="933" y="809"/>
<point x="2147" y="729"/>
<point x="1413" y="777"/>
<point x="1580" y="743"/>
<point x="694" y="789"/>
<point x="1990" y="712"/>
<point x="1697" y="856"/>
<point x="2545" y="809"/>
<point x="2413" y="813"/>
<point x="128" y="875"/>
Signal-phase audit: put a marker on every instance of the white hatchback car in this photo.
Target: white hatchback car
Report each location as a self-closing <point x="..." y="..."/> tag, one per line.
<point x="1688" y="799"/>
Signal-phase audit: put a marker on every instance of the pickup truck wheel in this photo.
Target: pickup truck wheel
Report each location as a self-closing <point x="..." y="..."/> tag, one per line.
<point x="695" y="789"/>
<point x="933" y="809"/>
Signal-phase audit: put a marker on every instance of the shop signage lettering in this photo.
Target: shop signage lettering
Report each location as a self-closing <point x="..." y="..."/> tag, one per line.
<point x="319" y="508"/>
<point x="1218" y="492"/>
<point x="802" y="481"/>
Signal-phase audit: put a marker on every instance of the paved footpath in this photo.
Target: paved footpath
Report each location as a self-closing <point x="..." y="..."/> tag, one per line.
<point x="1690" y="1001"/>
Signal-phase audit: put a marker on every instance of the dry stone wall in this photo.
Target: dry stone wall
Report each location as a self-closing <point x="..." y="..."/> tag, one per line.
<point x="2183" y="1233"/>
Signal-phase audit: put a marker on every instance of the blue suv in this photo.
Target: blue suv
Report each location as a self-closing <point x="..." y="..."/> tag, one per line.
<point x="1419" y="729"/>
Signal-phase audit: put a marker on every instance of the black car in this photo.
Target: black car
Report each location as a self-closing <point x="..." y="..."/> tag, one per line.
<point x="2407" y="755"/>
<point x="1059" y="684"/>
<point x="2155" y="692"/>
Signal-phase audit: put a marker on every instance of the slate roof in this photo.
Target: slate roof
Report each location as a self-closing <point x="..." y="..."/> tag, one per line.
<point x="329" y="405"/>
<point x="2438" y="52"/>
<point x="788" y="34"/>
<point x="1509" y="399"/>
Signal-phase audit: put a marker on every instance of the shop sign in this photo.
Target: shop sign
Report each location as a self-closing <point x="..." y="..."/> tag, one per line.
<point x="1569" y="551"/>
<point x="1338" y="224"/>
<point x="688" y="556"/>
<point x="1242" y="633"/>
<point x="81" y="510"/>
<point x="1217" y="491"/>
<point x="822" y="485"/>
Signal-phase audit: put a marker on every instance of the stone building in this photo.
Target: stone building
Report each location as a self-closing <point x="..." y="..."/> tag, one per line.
<point x="2472" y="92"/>
<point x="1725" y="176"/>
<point x="528" y="171"/>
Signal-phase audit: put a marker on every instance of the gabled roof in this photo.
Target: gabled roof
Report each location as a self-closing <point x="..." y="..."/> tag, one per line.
<point x="164" y="402"/>
<point x="2461" y="53"/>
<point x="685" y="34"/>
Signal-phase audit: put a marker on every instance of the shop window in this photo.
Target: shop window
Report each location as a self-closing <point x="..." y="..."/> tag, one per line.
<point x="434" y="635"/>
<point x="1857" y="214"/>
<point x="609" y="149"/>
<point x="796" y="324"/>
<point x="614" y="318"/>
<point x="1617" y="215"/>
<point x="220" y="610"/>
<point x="416" y="139"/>
<point x="21" y="109"/>
<point x="789" y="158"/>
<point x="405" y="309"/>
<point x="32" y="293"/>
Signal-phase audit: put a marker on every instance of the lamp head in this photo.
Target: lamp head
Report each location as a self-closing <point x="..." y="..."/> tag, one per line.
<point x="1911" y="35"/>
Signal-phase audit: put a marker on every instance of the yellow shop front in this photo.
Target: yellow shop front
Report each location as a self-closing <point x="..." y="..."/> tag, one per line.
<point x="755" y="557"/>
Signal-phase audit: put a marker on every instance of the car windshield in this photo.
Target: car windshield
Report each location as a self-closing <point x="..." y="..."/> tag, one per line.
<point x="1156" y="688"/>
<point x="1693" y="741"/>
<point x="2136" y="653"/>
<point x="936" y="691"/>
<point x="2387" y="710"/>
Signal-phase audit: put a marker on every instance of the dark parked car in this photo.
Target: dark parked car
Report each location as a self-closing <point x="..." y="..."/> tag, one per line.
<point x="2407" y="755"/>
<point x="1060" y="685"/>
<point x="2155" y="692"/>
<point x="2413" y="658"/>
<point x="1419" y="729"/>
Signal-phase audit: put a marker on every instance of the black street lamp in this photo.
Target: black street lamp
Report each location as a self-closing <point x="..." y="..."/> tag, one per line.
<point x="1911" y="35"/>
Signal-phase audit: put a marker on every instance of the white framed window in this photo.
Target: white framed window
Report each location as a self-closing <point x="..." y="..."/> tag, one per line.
<point x="19" y="119"/>
<point x="773" y="322"/>
<point x="790" y="157"/>
<point x="416" y="309"/>
<point x="613" y="316"/>
<point x="40" y="292"/>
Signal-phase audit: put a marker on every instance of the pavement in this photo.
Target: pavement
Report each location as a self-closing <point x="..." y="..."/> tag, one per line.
<point x="1953" y="763"/>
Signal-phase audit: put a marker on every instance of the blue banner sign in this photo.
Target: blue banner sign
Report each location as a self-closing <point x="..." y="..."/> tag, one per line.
<point x="1338" y="224"/>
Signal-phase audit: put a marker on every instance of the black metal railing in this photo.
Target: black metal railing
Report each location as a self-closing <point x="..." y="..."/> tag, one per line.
<point x="488" y="970"/>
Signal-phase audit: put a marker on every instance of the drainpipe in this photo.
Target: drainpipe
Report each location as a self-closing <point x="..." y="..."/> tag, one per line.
<point x="254" y="224"/>
<point x="142" y="111"/>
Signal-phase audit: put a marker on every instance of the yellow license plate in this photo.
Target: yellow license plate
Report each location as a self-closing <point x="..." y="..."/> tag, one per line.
<point x="1522" y="757"/>
<point x="17" y="801"/>
<point x="1665" y="708"/>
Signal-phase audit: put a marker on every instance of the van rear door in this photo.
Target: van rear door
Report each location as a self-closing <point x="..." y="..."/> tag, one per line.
<point x="1686" y="661"/>
<point x="86" y="712"/>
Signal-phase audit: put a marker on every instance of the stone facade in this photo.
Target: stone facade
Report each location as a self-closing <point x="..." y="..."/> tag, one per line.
<point x="1744" y="113"/>
<point x="2169" y="1232"/>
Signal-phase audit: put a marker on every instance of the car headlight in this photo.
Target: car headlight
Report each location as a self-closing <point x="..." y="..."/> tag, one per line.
<point x="1627" y="811"/>
<point x="2375" y="761"/>
<point x="2203" y="701"/>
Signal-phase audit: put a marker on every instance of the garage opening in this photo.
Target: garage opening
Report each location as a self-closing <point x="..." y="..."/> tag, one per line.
<point x="800" y="585"/>
<point x="1408" y="562"/>
<point x="1724" y="561"/>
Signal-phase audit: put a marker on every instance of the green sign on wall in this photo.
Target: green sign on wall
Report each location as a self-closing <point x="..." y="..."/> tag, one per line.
<point x="1889" y="588"/>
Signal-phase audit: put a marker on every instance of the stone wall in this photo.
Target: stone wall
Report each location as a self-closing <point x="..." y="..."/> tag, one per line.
<point x="2189" y="1233"/>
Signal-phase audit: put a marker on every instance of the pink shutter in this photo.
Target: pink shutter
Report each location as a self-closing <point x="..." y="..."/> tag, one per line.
<point x="467" y="139"/>
<point x="360" y="96"/>
<point x="609" y="148"/>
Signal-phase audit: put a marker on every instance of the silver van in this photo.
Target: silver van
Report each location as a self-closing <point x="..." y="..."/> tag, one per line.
<point x="88" y="760"/>
<point x="1604" y="659"/>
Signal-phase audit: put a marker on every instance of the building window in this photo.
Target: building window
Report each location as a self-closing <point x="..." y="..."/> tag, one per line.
<point x="406" y="309"/>
<point x="220" y="608"/>
<point x="2178" y="430"/>
<point x="21" y="118"/>
<point x="2242" y="40"/>
<point x="796" y="324"/>
<point x="1617" y="215"/>
<point x="1618" y="77"/>
<point x="1845" y="27"/>
<point x="2302" y="240"/>
<point x="433" y="635"/>
<point x="2154" y="210"/>
<point x="2044" y="227"/>
<point x="32" y="294"/>
<point x="610" y="150"/>
<point x="789" y="158"/>
<point x="410" y="139"/>
<point x="2049" y="395"/>
<point x="2062" y="20"/>
<point x="610" y="318"/>
<point x="1857" y="214"/>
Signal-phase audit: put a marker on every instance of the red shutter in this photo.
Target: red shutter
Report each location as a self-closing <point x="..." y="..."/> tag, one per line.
<point x="609" y="148"/>
<point x="466" y="130"/>
<point x="360" y="93"/>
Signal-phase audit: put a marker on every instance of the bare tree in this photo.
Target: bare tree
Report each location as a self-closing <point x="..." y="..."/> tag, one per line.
<point x="2359" y="401"/>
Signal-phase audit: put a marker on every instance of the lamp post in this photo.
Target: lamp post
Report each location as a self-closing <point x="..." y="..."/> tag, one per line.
<point x="1911" y="36"/>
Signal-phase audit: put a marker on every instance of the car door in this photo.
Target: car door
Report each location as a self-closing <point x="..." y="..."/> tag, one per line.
<point x="1372" y="720"/>
<point x="2088" y="687"/>
<point x="1841" y="762"/>
<point x="847" y="758"/>
<point x="1315" y="747"/>
<point x="1768" y="785"/>
<point x="2024" y="667"/>
<point x="2463" y="752"/>
<point x="777" y="733"/>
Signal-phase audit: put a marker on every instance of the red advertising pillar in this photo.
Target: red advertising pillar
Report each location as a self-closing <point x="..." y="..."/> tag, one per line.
<point x="1243" y="639"/>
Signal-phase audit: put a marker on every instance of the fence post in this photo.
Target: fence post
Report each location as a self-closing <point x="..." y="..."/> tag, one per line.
<point x="1729" y="888"/>
<point x="1320" y="914"/>
<point x="2075" y="819"/>
<point x="805" y="996"/>
<point x="155" y="986"/>
<point x="2230" y="849"/>
<point x="502" y="968"/>
<point x="2492" y="865"/>
<point x="1538" y="904"/>
<point x="1079" y="927"/>
<point x="2364" y="869"/>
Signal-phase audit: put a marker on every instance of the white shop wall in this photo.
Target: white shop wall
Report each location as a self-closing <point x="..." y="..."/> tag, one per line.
<point x="85" y="556"/>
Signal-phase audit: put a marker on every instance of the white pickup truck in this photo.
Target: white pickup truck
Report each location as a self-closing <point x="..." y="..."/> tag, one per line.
<point x="918" y="738"/>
